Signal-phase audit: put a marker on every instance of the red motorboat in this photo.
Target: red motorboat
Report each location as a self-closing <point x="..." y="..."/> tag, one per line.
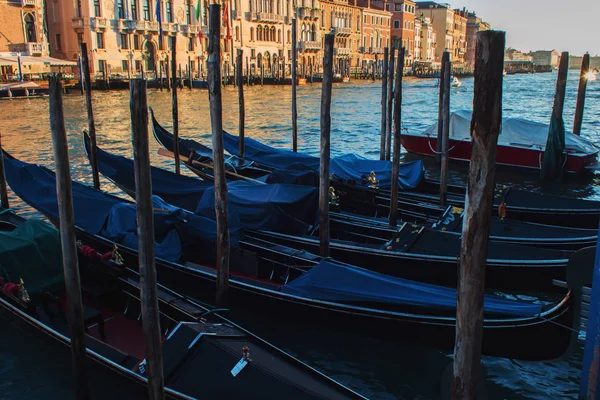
<point x="521" y="143"/>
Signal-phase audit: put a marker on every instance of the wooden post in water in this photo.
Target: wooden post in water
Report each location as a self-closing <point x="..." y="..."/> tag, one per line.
<point x="190" y="72"/>
<point x="294" y="109"/>
<point x="64" y="193"/>
<point x="242" y="117"/>
<point x="441" y="109"/>
<point x="389" y="110"/>
<point x="174" y="104"/>
<point x="216" y="119"/>
<point x="3" y="188"/>
<point x="445" y="124"/>
<point x="585" y="68"/>
<point x="262" y="73"/>
<point x="167" y="73"/>
<point x="90" y="114"/>
<point x="397" y="134"/>
<point x="138" y="104"/>
<point x="325" y="145"/>
<point x="160" y="78"/>
<point x="80" y="75"/>
<point x="383" y="103"/>
<point x="180" y="81"/>
<point x="485" y="128"/>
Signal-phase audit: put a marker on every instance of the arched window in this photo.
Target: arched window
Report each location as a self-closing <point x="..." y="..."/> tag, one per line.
<point x="237" y="33"/>
<point x="272" y="34"/>
<point x="259" y="33"/>
<point x="251" y="34"/>
<point x="258" y="60"/>
<point x="313" y="35"/>
<point x="30" y="28"/>
<point x="278" y="35"/>
<point x="289" y="36"/>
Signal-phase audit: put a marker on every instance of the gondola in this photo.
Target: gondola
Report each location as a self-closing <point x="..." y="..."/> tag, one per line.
<point x="411" y="252"/>
<point x="448" y="220"/>
<point x="204" y="354"/>
<point x="291" y="284"/>
<point x="520" y="204"/>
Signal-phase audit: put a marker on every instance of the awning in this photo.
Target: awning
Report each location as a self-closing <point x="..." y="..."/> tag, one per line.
<point x="30" y="60"/>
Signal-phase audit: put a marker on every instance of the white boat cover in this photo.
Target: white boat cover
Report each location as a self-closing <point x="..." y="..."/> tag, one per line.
<point x="515" y="132"/>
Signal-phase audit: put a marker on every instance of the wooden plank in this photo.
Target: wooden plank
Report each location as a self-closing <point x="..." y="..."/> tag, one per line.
<point x="67" y="237"/>
<point x="585" y="68"/>
<point x="444" y="124"/>
<point x="216" y="119"/>
<point x="383" y="103"/>
<point x="90" y="114"/>
<point x="485" y="128"/>
<point x="294" y="83"/>
<point x="138" y="104"/>
<point x="325" y="145"/>
<point x="397" y="139"/>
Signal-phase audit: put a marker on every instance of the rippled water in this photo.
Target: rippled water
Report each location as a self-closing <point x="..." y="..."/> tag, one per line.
<point x="379" y="369"/>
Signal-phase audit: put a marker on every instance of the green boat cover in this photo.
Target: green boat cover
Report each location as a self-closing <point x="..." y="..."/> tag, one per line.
<point x="32" y="252"/>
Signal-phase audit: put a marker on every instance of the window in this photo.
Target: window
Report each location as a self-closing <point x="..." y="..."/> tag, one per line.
<point x="78" y="11"/>
<point x="97" y="10"/>
<point x="289" y="38"/>
<point x="252" y="53"/>
<point x="191" y="44"/>
<point x="79" y="37"/>
<point x="188" y="13"/>
<point x="146" y="5"/>
<point x="169" y="7"/>
<point x="397" y="7"/>
<point x="100" y="65"/>
<point x="125" y="65"/>
<point x="251" y="34"/>
<point x="134" y="14"/>
<point x="396" y="24"/>
<point x="365" y="21"/>
<point x="58" y="44"/>
<point x="30" y="28"/>
<point x="124" y="41"/>
<point x="136" y="42"/>
<point x="100" y="40"/>
<point x="237" y="33"/>
<point x="138" y="65"/>
<point x="120" y="10"/>
<point x="387" y="7"/>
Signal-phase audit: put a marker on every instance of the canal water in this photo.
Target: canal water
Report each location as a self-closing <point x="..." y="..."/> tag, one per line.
<point x="380" y="369"/>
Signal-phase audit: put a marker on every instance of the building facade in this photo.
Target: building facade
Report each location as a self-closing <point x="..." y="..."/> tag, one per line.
<point x="442" y="19"/>
<point x="403" y="26"/>
<point x="474" y="25"/>
<point x="546" y="58"/>
<point x="459" y="40"/>
<point x="344" y="18"/>
<point x="375" y="32"/>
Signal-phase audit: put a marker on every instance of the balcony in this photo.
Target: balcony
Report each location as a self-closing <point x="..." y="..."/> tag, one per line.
<point x="191" y="29"/>
<point x="304" y="13"/>
<point x="28" y="3"/>
<point x="343" y="31"/>
<point x="126" y="25"/>
<point x="267" y="17"/>
<point x="77" y="24"/>
<point x="315" y="13"/>
<point x="376" y="50"/>
<point x="98" y="23"/>
<point x="151" y="26"/>
<point x="341" y="51"/>
<point x="363" y="49"/>
<point x="236" y="14"/>
<point x="170" y="27"/>
<point x="37" y="49"/>
<point x="309" y="45"/>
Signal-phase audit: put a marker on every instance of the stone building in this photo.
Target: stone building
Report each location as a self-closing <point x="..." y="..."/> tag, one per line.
<point x="548" y="58"/>
<point x="123" y="36"/>
<point x="344" y="18"/>
<point x="375" y="31"/>
<point x="474" y="25"/>
<point x="403" y="26"/>
<point x="424" y="40"/>
<point x="459" y="39"/>
<point x="442" y="19"/>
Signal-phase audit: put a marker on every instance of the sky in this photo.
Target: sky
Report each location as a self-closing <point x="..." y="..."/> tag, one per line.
<point x="572" y="25"/>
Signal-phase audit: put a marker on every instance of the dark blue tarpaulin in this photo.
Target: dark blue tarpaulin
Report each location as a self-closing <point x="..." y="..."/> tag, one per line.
<point x="341" y="283"/>
<point x="36" y="185"/>
<point x="180" y="190"/>
<point x="348" y="166"/>
<point x="282" y="208"/>
<point x="294" y="174"/>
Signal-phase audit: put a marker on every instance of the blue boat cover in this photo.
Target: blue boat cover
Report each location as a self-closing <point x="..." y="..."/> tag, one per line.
<point x="283" y="208"/>
<point x="180" y="190"/>
<point x="348" y="166"/>
<point x="294" y="174"/>
<point x="100" y="213"/>
<point x="341" y="283"/>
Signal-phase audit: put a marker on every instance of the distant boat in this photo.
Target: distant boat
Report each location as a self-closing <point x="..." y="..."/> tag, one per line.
<point x="455" y="82"/>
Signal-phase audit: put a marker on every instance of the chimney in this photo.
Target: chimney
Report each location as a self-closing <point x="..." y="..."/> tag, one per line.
<point x="369" y="4"/>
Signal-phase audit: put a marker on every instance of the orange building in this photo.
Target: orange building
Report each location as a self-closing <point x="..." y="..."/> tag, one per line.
<point x="375" y="32"/>
<point x="403" y="26"/>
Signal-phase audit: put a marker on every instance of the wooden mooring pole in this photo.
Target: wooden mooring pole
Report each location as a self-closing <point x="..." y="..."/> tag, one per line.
<point x="216" y="119"/>
<point x="389" y="110"/>
<point x="441" y="109"/>
<point x="383" y="103"/>
<point x="64" y="193"/>
<point x="294" y="77"/>
<point x="3" y="188"/>
<point x="445" y="124"/>
<point x="242" y="115"/>
<point x="90" y="114"/>
<point x="138" y="105"/>
<point x="174" y="104"/>
<point x="167" y="73"/>
<point x="585" y="68"/>
<point x="397" y="134"/>
<point x="189" y="68"/>
<point x="325" y="145"/>
<point x="80" y="75"/>
<point x="485" y="128"/>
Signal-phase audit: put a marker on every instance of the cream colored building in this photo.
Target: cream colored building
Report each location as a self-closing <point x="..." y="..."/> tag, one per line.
<point x="459" y="39"/>
<point x="375" y="32"/>
<point x="424" y="40"/>
<point x="123" y="36"/>
<point x="344" y="18"/>
<point x="442" y="19"/>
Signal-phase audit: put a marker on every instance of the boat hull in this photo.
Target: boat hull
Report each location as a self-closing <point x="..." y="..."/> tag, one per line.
<point x="512" y="156"/>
